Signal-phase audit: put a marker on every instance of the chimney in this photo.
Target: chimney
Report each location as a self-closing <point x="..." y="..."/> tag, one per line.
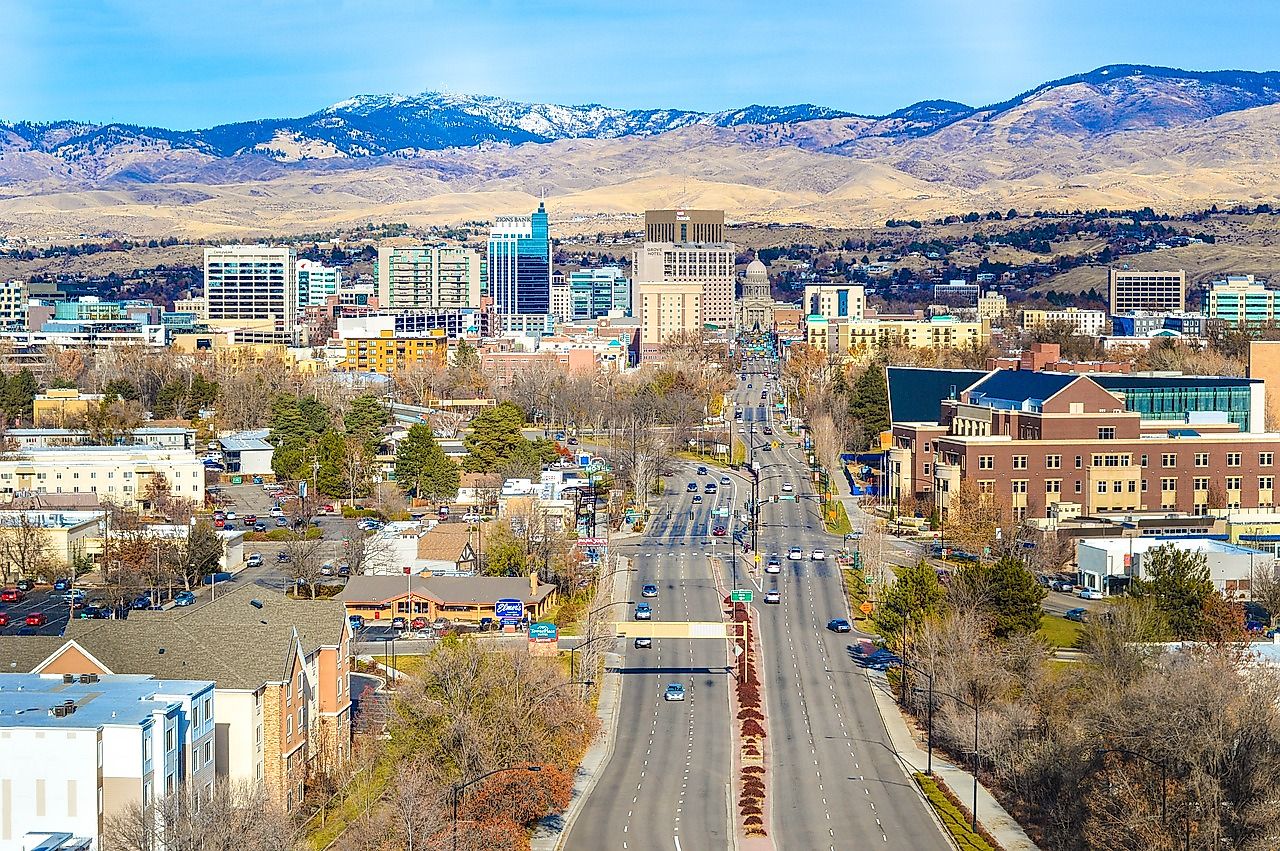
<point x="533" y="585"/>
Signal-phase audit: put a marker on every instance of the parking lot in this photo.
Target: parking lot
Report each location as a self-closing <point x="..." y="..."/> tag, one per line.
<point x="43" y="600"/>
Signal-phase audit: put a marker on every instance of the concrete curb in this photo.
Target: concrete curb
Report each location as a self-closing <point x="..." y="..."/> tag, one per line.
<point x="552" y="832"/>
<point x="997" y="821"/>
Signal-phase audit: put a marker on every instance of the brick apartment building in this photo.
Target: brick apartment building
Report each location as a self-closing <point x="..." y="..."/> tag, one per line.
<point x="1033" y="439"/>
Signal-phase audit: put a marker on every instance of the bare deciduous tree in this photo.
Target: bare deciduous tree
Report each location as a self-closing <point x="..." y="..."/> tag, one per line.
<point x="226" y="818"/>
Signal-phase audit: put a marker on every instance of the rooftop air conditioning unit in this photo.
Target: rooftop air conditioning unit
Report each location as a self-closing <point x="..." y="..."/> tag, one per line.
<point x="68" y="678"/>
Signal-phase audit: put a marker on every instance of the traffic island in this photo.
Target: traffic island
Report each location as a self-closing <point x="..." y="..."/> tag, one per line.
<point x="750" y="734"/>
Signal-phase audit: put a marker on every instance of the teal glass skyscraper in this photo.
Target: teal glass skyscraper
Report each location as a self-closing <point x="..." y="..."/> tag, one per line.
<point x="519" y="263"/>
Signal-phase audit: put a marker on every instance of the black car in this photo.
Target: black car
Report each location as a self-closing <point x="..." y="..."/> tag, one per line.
<point x="25" y="585"/>
<point x="839" y="625"/>
<point x="61" y="584"/>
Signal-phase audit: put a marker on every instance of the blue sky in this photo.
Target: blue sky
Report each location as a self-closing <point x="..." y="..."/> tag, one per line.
<point x="187" y="64"/>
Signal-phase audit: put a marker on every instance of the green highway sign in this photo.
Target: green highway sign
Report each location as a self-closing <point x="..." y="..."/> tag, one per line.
<point x="740" y="595"/>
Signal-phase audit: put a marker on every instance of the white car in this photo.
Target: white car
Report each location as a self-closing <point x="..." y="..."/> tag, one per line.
<point x="818" y="555"/>
<point x="254" y="560"/>
<point x="773" y="568"/>
<point x="1089" y="594"/>
<point x="795" y="554"/>
<point x="787" y="488"/>
<point x="471" y="517"/>
<point x="772" y="596"/>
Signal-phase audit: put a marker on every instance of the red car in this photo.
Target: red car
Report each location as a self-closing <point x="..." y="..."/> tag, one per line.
<point x="10" y="595"/>
<point x="36" y="619"/>
<point x="418" y="624"/>
<point x="4" y="618"/>
<point x="718" y="531"/>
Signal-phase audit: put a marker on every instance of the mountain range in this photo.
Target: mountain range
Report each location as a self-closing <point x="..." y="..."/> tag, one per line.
<point x="1117" y="136"/>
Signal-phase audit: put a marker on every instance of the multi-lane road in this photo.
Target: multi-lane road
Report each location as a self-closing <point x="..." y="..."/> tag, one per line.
<point x="835" y="782"/>
<point x="667" y="782"/>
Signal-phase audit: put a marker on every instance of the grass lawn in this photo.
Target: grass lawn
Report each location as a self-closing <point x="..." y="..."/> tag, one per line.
<point x="1059" y="631"/>
<point x="952" y="816"/>
<point x="840" y="524"/>
<point x="405" y="664"/>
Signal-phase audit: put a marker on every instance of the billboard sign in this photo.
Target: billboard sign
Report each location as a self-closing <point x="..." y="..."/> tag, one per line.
<point x="509" y="611"/>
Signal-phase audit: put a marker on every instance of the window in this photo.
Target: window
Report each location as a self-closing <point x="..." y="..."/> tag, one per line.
<point x="1265" y="483"/>
<point x="1233" y="459"/>
<point x="1144" y="485"/>
<point x="146" y="749"/>
<point x="1133" y="486"/>
<point x="926" y="469"/>
<point x="1144" y="460"/>
<point x="1200" y="484"/>
<point x="1102" y="486"/>
<point x="1106" y="432"/>
<point x="1202" y="459"/>
<point x="1264" y="459"/>
<point x="986" y="486"/>
<point x="1019" y="462"/>
<point x="986" y="462"/>
<point x="1053" y="485"/>
<point x="1079" y="486"/>
<point x="1233" y="483"/>
<point x="1079" y="461"/>
<point x="170" y="740"/>
<point x="1169" y="459"/>
<point x="1019" y="485"/>
<point x="1053" y="462"/>
<point x="1168" y="484"/>
<point x="288" y="726"/>
<point x="208" y="752"/>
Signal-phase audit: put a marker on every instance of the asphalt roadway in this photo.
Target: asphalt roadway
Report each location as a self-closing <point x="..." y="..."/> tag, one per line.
<point x="666" y="785"/>
<point x="835" y="781"/>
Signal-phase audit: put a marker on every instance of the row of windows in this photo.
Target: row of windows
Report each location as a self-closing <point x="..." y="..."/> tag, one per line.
<point x="40" y="477"/>
<point x="1232" y="483"/>
<point x="1167" y="460"/>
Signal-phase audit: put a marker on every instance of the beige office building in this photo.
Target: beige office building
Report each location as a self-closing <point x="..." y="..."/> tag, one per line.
<point x="666" y="308"/>
<point x="709" y="265"/>
<point x="684" y="225"/>
<point x="251" y="286"/>
<point x="1084" y="323"/>
<point x="1159" y="292"/>
<point x="428" y="276"/>
<point x="120" y="474"/>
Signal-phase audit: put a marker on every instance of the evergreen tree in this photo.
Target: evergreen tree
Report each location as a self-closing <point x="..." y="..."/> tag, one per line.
<point x="465" y="356"/>
<point x="916" y="593"/>
<point x="495" y="437"/>
<point x="1178" y="582"/>
<point x="365" y="420"/>
<point x="331" y="453"/>
<point x="19" y="393"/>
<point x="1009" y="593"/>
<point x="296" y="426"/>
<point x="422" y="468"/>
<point x="869" y="401"/>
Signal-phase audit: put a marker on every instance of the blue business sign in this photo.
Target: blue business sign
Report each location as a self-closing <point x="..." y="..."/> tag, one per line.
<point x="543" y="631"/>
<point x="584" y="461"/>
<point x="509" y="611"/>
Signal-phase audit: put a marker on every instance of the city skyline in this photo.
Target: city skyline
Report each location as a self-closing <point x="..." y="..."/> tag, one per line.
<point x="123" y="61"/>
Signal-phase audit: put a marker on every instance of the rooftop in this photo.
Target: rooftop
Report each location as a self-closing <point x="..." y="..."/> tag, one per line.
<point x="1126" y="546"/>
<point x="916" y="393"/>
<point x="205" y="641"/>
<point x="26" y="699"/>
<point x="1017" y="387"/>
<point x="447" y="590"/>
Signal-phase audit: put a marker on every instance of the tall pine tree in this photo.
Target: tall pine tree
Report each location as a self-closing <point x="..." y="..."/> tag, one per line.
<point x="422" y="468"/>
<point x="869" y="401"/>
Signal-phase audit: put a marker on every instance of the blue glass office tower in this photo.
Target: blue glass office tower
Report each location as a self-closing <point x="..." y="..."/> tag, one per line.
<point x="519" y="264"/>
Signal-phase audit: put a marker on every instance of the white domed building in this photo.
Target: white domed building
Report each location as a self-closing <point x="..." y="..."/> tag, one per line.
<point x="755" y="310"/>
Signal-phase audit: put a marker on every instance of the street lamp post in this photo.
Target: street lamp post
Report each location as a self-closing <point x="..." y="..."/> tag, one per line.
<point x="974" y="707"/>
<point x="1164" y="775"/>
<point x="929" y="710"/>
<point x="458" y="789"/>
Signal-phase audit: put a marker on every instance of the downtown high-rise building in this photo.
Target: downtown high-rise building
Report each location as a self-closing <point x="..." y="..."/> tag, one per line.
<point x="428" y="276"/>
<point x="684" y="225"/>
<point x="519" y="265"/>
<point x="316" y="282"/>
<point x="598" y="292"/>
<point x="251" y="286"/>
<point x="1159" y="292"/>
<point x="709" y="264"/>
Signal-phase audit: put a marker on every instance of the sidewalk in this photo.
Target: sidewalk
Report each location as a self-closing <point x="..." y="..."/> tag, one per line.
<point x="914" y="757"/>
<point x="552" y="831"/>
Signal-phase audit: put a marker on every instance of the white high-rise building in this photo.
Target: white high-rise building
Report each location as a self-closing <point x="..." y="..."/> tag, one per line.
<point x="709" y="264"/>
<point x="425" y="276"/>
<point x="13" y="305"/>
<point x="251" y="286"/>
<point x="316" y="283"/>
